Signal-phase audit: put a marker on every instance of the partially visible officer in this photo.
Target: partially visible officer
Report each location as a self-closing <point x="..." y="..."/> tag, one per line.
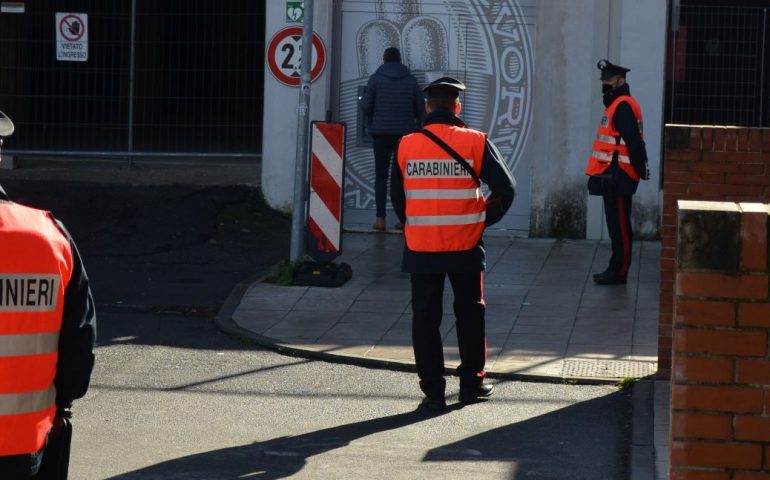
<point x="47" y="335"/>
<point x="395" y="103"/>
<point x="617" y="163"/>
<point x="444" y="213"/>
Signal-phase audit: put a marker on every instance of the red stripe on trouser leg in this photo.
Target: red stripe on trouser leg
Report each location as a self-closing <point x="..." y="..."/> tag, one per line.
<point x="624" y="236"/>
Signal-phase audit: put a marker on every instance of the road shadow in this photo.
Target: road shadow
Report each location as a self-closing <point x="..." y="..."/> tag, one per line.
<point x="585" y="441"/>
<point x="273" y="459"/>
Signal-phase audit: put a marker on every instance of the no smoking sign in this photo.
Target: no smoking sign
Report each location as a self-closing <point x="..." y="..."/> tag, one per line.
<point x="284" y="56"/>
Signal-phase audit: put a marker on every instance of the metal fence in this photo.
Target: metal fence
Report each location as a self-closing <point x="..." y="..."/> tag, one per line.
<point x="718" y="66"/>
<point x="177" y="77"/>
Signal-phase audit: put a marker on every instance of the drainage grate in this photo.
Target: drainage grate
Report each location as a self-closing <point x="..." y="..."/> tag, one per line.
<point x="607" y="369"/>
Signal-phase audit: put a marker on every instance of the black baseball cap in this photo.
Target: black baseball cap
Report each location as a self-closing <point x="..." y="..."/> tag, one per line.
<point x="609" y="69"/>
<point x="444" y="87"/>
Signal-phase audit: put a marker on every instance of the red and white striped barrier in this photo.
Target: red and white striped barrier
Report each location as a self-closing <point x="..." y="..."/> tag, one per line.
<point x="327" y="169"/>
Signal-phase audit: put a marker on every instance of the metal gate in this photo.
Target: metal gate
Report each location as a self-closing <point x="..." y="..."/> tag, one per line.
<point x="177" y="77"/>
<point x="718" y="68"/>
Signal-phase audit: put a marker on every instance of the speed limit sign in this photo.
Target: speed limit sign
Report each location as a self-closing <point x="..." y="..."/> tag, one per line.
<point x="284" y="56"/>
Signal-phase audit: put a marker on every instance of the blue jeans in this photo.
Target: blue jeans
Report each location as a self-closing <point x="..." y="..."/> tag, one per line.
<point x="384" y="146"/>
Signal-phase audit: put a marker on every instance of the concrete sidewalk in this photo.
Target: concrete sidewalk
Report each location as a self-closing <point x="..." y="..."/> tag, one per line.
<point x="546" y="319"/>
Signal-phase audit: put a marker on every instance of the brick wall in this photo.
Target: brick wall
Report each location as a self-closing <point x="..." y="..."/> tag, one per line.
<point x="704" y="163"/>
<point x="720" y="392"/>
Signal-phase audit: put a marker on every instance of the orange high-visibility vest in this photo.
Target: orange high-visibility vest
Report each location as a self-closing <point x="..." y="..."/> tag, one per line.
<point x="35" y="268"/>
<point x="608" y="141"/>
<point x="445" y="209"/>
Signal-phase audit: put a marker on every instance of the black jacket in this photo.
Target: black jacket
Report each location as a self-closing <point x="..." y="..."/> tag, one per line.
<point x="625" y="123"/>
<point x="393" y="99"/>
<point x="502" y="186"/>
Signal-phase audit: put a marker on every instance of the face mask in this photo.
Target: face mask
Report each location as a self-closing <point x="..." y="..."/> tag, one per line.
<point x="606" y="88"/>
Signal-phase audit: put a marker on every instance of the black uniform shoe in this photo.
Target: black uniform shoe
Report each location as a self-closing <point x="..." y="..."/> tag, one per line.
<point x="610" y="279"/>
<point x="602" y="274"/>
<point x="474" y="393"/>
<point x="432" y="405"/>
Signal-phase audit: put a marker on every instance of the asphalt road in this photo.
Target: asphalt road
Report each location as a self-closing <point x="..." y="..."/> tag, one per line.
<point x="174" y="398"/>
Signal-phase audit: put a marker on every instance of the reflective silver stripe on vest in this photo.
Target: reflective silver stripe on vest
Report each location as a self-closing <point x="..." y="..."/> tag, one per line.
<point x="607" y="157"/>
<point x="451" y="194"/>
<point x="435" y="220"/>
<point x="28" y="292"/>
<point x="609" y="139"/>
<point x="27" y="402"/>
<point x="30" y="344"/>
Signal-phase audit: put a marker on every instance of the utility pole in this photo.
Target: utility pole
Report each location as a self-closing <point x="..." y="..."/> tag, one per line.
<point x="297" y="247"/>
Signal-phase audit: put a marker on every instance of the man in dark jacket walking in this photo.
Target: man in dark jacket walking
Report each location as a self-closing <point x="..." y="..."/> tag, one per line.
<point x="395" y="103"/>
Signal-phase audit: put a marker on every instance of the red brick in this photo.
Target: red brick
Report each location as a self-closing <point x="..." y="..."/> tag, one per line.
<point x="713" y="177"/>
<point x="751" y="168"/>
<point x="717" y="167"/>
<point x="752" y="428"/>
<point x="683" y="177"/>
<point x="682" y="158"/>
<point x="693" y="425"/>
<point x="767" y="457"/>
<point x="755" y="140"/>
<point x="712" y="454"/>
<point x="743" y="140"/>
<point x="715" y="157"/>
<point x="766" y="139"/>
<point x="753" y="371"/>
<point x="719" y="139"/>
<point x="703" y="312"/>
<point x="720" y="342"/>
<point x="754" y="240"/>
<point x="731" y="140"/>
<point x="667" y="264"/>
<point x="754" y="315"/>
<point x="717" y="398"/>
<point x="679" y="474"/>
<point x="767" y="411"/>
<point x="747" y="179"/>
<point x="707" y="370"/>
<point x="725" y="286"/>
<point x="725" y="190"/>
<point x="677" y="188"/>
<point x="751" y="476"/>
<point x="695" y="138"/>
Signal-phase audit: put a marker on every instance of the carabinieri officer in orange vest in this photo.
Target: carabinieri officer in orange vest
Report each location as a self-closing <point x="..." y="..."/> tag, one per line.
<point x="47" y="335"/>
<point x="436" y="193"/>
<point x="617" y="163"/>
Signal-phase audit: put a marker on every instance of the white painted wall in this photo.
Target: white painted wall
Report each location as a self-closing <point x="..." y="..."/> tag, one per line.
<point x="572" y="35"/>
<point x="279" y="144"/>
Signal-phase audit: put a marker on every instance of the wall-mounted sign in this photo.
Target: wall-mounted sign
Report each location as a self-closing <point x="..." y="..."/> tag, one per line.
<point x="12" y="7"/>
<point x="72" y="37"/>
<point x="284" y="56"/>
<point x="295" y="12"/>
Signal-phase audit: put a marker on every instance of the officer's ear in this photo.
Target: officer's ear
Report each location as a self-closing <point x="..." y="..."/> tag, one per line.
<point x="458" y="107"/>
<point x="427" y="107"/>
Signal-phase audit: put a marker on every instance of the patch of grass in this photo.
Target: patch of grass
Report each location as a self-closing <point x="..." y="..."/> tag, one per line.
<point x="284" y="274"/>
<point x="626" y="383"/>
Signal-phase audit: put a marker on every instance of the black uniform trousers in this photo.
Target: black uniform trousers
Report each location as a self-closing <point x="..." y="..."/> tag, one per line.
<point x="617" y="212"/>
<point x="427" y="310"/>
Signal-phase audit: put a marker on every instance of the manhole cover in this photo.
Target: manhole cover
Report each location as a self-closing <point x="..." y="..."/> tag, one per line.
<point x="607" y="369"/>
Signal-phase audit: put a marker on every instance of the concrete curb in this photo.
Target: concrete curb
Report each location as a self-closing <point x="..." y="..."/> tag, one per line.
<point x="224" y="321"/>
<point x="642" y="451"/>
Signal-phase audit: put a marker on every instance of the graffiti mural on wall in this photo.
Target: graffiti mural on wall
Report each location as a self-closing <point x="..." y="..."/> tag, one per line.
<point x="485" y="44"/>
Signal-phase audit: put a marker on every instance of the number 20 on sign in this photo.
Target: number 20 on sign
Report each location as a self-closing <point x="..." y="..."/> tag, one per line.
<point x="284" y="56"/>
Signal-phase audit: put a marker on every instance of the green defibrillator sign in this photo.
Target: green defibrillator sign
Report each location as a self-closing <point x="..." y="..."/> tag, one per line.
<point x="294" y="12"/>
